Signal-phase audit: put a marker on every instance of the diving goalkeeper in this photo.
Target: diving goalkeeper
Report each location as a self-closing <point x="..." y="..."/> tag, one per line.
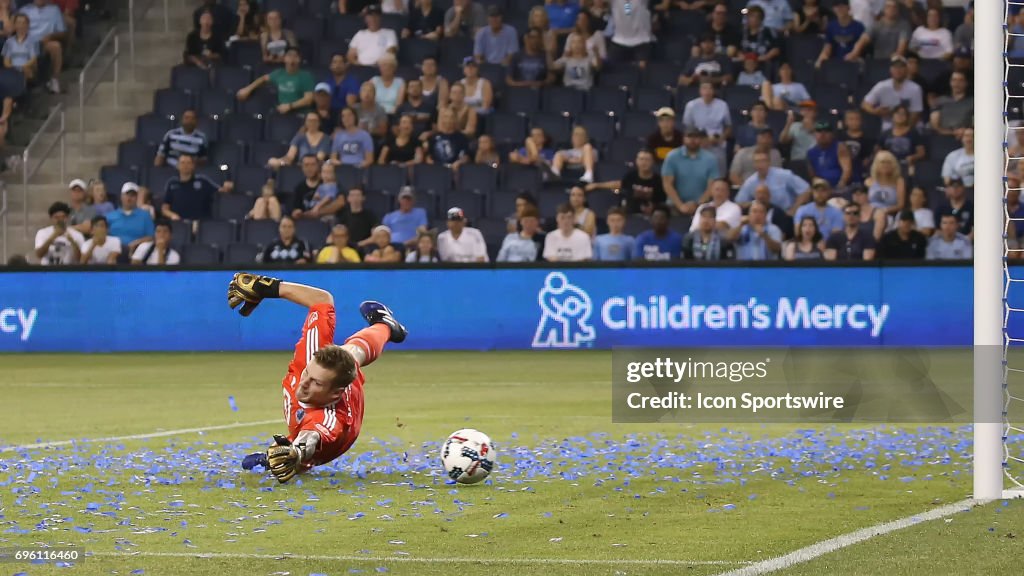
<point x="323" y="390"/>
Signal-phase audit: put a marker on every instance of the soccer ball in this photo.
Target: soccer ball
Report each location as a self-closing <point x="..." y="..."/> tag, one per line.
<point x="467" y="456"/>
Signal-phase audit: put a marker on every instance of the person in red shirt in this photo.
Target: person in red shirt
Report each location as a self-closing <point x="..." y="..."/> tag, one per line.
<point x="323" y="388"/>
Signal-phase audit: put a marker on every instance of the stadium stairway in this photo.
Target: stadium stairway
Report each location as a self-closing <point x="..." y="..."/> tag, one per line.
<point x="156" y="52"/>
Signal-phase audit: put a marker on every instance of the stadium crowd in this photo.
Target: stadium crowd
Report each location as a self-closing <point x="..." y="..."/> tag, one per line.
<point x="471" y="131"/>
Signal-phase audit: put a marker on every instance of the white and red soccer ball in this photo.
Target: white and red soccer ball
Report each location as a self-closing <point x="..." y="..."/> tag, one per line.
<point x="468" y="456"/>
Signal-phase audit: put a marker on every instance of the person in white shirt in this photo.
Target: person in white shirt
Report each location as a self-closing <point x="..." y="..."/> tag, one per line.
<point x="101" y="248"/>
<point x="461" y="243"/>
<point x="568" y="243"/>
<point x="157" y="252"/>
<point x="58" y="243"/>
<point x="373" y="42"/>
<point x="727" y="213"/>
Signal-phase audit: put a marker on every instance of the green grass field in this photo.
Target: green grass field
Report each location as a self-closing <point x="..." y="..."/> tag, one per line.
<point x="573" y="493"/>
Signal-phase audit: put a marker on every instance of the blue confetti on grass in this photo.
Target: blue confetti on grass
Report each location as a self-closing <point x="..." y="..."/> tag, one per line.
<point x="231" y="403"/>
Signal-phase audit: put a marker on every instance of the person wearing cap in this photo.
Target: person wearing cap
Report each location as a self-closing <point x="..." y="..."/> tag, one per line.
<point x="950" y="243"/>
<point x="339" y="251"/>
<point x="130" y="224"/>
<point x="903" y="242"/>
<point x="382" y="250"/>
<point x="846" y="39"/>
<point x="667" y="138"/>
<point x="57" y="243"/>
<point x="461" y="243"/>
<point x="708" y="64"/>
<point x="81" y="214"/>
<point x="787" y="190"/>
<point x="203" y="47"/>
<point x="959" y="205"/>
<point x="885" y="96"/>
<point x="426" y="21"/>
<point x="185" y="139"/>
<point x="687" y="171"/>
<point x="371" y="43"/>
<point x="408" y="221"/>
<point x="853" y="241"/>
<point x="344" y="86"/>
<point x="102" y="248"/>
<point x="294" y="85"/>
<point x="463" y="19"/>
<point x="931" y="40"/>
<point x="890" y="34"/>
<point x="758" y="38"/>
<point x="828" y="217"/>
<point x="496" y="42"/>
<point x="743" y="162"/>
<point x="828" y="158"/>
<point x="322" y="100"/>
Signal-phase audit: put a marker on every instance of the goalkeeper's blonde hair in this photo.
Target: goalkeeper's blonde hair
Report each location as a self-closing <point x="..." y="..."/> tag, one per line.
<point x="338" y="360"/>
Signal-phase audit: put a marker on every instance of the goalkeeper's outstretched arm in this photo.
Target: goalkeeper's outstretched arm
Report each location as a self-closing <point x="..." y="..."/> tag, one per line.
<point x="303" y="295"/>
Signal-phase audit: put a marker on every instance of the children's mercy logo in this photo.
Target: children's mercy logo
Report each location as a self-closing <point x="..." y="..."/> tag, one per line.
<point x="564" y="315"/>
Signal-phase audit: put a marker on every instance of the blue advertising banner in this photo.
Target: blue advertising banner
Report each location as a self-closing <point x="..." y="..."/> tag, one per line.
<point x="501" y="308"/>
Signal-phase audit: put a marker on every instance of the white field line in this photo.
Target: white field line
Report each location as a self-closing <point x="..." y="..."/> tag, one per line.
<point x="146" y="436"/>
<point x="417" y="560"/>
<point x="831" y="545"/>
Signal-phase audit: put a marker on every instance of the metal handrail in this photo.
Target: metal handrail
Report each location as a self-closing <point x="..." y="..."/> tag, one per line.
<point x="84" y="94"/>
<point x="26" y="174"/>
<point x="131" y="25"/>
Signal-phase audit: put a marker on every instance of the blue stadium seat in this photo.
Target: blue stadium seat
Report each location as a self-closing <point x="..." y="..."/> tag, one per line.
<point x="288" y="177"/>
<point x="261" y="152"/>
<point x="114" y="177"/>
<point x="241" y="254"/>
<point x="416" y="50"/>
<point x="613" y="101"/>
<point x="156" y="180"/>
<point x="661" y="75"/>
<point x="170" y="103"/>
<point x="684" y="94"/>
<point x="227" y="154"/>
<point x="242" y="129"/>
<point x="134" y="155"/>
<point x="282" y="128"/>
<point x="550" y="198"/>
<point x="201" y="255"/>
<point x="249" y="179"/>
<point x="344" y="26"/>
<point x="245" y="54"/>
<point x="362" y="73"/>
<point x="496" y="73"/>
<point x="150" y="129"/>
<point x="938" y="146"/>
<point x="557" y="127"/>
<point x="502" y="203"/>
<point x="308" y="28"/>
<point x="477" y="178"/>
<point x="600" y="127"/>
<point x="388" y="178"/>
<point x="600" y="201"/>
<point x="189" y="79"/>
<point x="326" y="49"/>
<point x="231" y="207"/>
<point x="217" y="233"/>
<point x="181" y="233"/>
<point x="349" y="177"/>
<point x="455" y="50"/>
<point x="216" y="103"/>
<point x="608" y="171"/>
<point x="471" y="202"/>
<point x="520" y="100"/>
<point x="506" y="128"/>
<point x="835" y="72"/>
<point x="259" y="232"/>
<point x="378" y="202"/>
<point x="623" y="150"/>
<point x="803" y="46"/>
<point x="742" y="97"/>
<point x="395" y="22"/>
<point x="261" y="103"/>
<point x="493" y="229"/>
<point x="619" y="78"/>
<point x="830" y="98"/>
<point x="211" y="128"/>
<point x="650" y="99"/>
<point x="320" y="8"/>
<point x="564" y="101"/>
<point x="875" y="71"/>
<point x="231" y="79"/>
<point x="314" y="232"/>
<point x="288" y="9"/>
<point x="635" y="225"/>
<point x="215" y="173"/>
<point x="518" y="178"/>
<point x="432" y="179"/>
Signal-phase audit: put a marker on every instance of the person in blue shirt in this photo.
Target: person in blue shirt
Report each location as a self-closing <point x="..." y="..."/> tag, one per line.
<point x="189" y="196"/>
<point x="828" y="217"/>
<point x="46" y="26"/>
<point x="344" y="86"/>
<point x="130" y="224"/>
<point x="496" y="42"/>
<point x="408" y="221"/>
<point x="787" y="190"/>
<point x="845" y="38"/>
<point x="658" y="243"/>
<point x="352" y="145"/>
<point x="21" y="51"/>
<point x="756" y="238"/>
<point x="614" y="246"/>
<point x="562" y="15"/>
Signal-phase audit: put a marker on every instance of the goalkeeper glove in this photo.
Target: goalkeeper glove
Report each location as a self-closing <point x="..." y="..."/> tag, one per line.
<point x="284" y="459"/>
<point x="250" y="289"/>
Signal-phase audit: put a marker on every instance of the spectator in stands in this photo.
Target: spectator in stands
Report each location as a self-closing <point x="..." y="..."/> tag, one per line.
<point x="581" y="155"/>
<point x="447" y="146"/>
<point x="887" y="189"/>
<point x="758" y="38"/>
<point x="306" y="189"/>
<point x="924" y="218"/>
<point x="339" y="252"/>
<point x="960" y="162"/>
<point x="829" y="158"/>
<point x="853" y="242"/>
<point x="402" y="148"/>
<point x="527" y="244"/>
<point x="381" y="251"/>
<point x="727" y="37"/>
<point x="309" y="140"/>
<point x="81" y="213"/>
<point x="615" y="246"/>
<point x="185" y="139"/>
<point x="828" y="218"/>
<point x="276" y="40"/>
<point x="808" y="245"/>
<point x="461" y="243"/>
<point x="903" y="140"/>
<point x="370" y="44"/>
<point x="578" y="68"/>
<point x="667" y="138"/>
<point x="129" y="224"/>
<point x="287" y="248"/>
<point x="101" y="248"/>
<point x="593" y="40"/>
<point x="389" y="89"/>
<point x="203" y="48"/>
<point x="394" y="6"/>
<point x="479" y="92"/>
<point x="146" y="202"/>
<point x="7" y="15"/>
<point x="248" y="25"/>
<point x="351" y="144"/>
<point x="632" y="38"/>
<point x="583" y="216"/>
<point x="959" y="205"/>
<point x="408" y="221"/>
<point x="562" y="14"/>
<point x="800" y="135"/>
<point x="931" y="41"/>
<point x="707" y="65"/>
<point x="370" y="115"/>
<point x="861" y="146"/>
<point x="189" y="196"/>
<point x="872" y="219"/>
<point x="98" y="198"/>
<point x="420" y="112"/>
<point x="846" y="39"/>
<point x="756" y="238"/>
<point x="425" y="251"/>
<point x="776" y="215"/>
<point x="486" y="152"/>
<point x="750" y="74"/>
<point x="787" y="93"/>
<point x="903" y="242"/>
<point x="778" y="14"/>
<point x="321" y="202"/>
<point x="538" y="20"/>
<point x="810" y="19"/>
<point x="357" y="218"/>
<point x="963" y="37"/>
<point x="426" y="21"/>
<point x="787" y="190"/>
<point x="46" y="26"/>
<point x="659" y="242"/>
<point x="465" y="116"/>
<point x="496" y="42"/>
<point x="58" y="243"/>
<point x="950" y="243"/>
<point x="743" y="162"/>
<point x="223" y="18"/>
<point x="529" y="68"/>
<point x="705" y="241"/>
<point x="294" y="85"/>
<point x="891" y="33"/>
<point x="536" y="150"/>
<point x="953" y="113"/>
<point x="887" y="95"/>
<point x="567" y="243"/>
<point x="354" y="7"/>
<point x="464" y="19"/>
<point x="710" y="115"/>
<point x="599" y="12"/>
<point x="435" y="86"/>
<point x="344" y="87"/>
<point x="267" y="206"/>
<point x="641" y="188"/>
<point x="728" y="214"/>
<point x="322" y="97"/>
<point x="21" y="51"/>
<point x="687" y="172"/>
<point x="158" y="251"/>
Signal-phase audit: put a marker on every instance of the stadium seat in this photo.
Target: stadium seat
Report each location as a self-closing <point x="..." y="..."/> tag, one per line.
<point x="496" y="73"/>
<point x="455" y="50"/>
<point x="608" y="171"/>
<point x="282" y="127"/>
<point x="249" y="179"/>
<point x="227" y="154"/>
<point x="288" y="177"/>
<point x="518" y="178"/>
<point x="550" y="198"/>
<point x="114" y="177"/>
<point x="564" y="101"/>
<point x="231" y="79"/>
<point x="245" y="54"/>
<point x="181" y="233"/>
<point x="349" y="177"/>
<point x="687" y="23"/>
<point x="326" y="49"/>
<point x="600" y="127"/>
<point x="241" y="129"/>
<point x="156" y="179"/>
<point x="557" y="127"/>
<point x="170" y="103"/>
<point x="650" y="99"/>
<point x="215" y="104"/>
<point x="635" y="225"/>
<point x="259" y="232"/>
<point x="150" y="129"/>
<point x="502" y="203"/>
<point x="344" y="26"/>
<point x="612" y="101"/>
<point x="506" y="128"/>
<point x="624" y="78"/>
<point x="307" y="28"/>
<point x="394" y="22"/>
<point x="801" y="46"/>
<point x="215" y="172"/>
<point x="845" y="75"/>
<point x="742" y="97"/>
<point x="261" y="103"/>
<point x="388" y="178"/>
<point x="261" y="152"/>
<point x="134" y="155"/>
<point x="520" y="100"/>
<point x="471" y="202"/>
<point x="939" y="146"/>
<point x="190" y="79"/>
<point x="201" y="254"/>
<point x="663" y="75"/>
<point x="231" y="207"/>
<point x="218" y="233"/>
<point x="210" y="127"/>
<point x="432" y="179"/>
<point x="12" y="82"/>
<point x="623" y="150"/>
<point x="314" y="232"/>
<point x="320" y="8"/>
<point x="638" y="125"/>
<point x="241" y="254"/>
<point x="600" y="201"/>
<point x="415" y="50"/>
<point x="477" y="178"/>
<point x="494" y="230"/>
<point x="378" y="202"/>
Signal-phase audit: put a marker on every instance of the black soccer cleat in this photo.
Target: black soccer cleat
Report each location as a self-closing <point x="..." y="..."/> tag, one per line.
<point x="377" y="313"/>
